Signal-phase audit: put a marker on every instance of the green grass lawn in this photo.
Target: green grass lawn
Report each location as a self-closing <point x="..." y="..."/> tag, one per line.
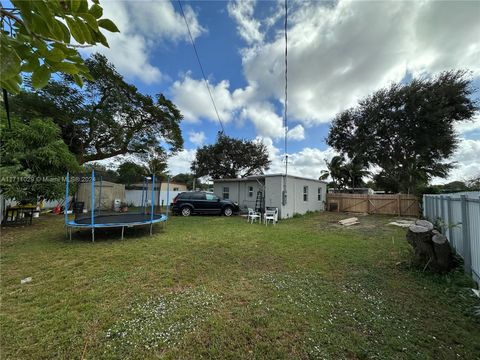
<point x="216" y="287"/>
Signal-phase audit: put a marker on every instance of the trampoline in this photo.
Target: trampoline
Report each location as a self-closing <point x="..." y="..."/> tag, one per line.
<point x="96" y="218"/>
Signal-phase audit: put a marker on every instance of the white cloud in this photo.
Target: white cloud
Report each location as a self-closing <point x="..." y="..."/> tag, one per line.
<point x="468" y="162"/>
<point x="197" y="138"/>
<point x="247" y="26"/>
<point x="180" y="162"/>
<point x="296" y="133"/>
<point x="308" y="162"/>
<point x="340" y="53"/>
<point x="192" y="98"/>
<point x="472" y="126"/>
<point x="263" y="116"/>
<point x="143" y="25"/>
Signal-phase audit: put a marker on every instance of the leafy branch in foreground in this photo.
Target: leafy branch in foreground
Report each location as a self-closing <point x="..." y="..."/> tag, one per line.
<point x="36" y="38"/>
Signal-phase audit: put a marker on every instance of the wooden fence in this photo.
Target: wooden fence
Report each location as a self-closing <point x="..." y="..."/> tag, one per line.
<point x="397" y="204"/>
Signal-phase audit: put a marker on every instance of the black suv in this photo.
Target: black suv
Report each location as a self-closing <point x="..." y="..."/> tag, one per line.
<point x="201" y="202"/>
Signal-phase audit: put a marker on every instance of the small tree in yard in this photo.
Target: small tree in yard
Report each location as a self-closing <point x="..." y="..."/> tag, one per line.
<point x="190" y="181"/>
<point x="231" y="158"/>
<point x="130" y="173"/>
<point x="33" y="160"/>
<point x="407" y="129"/>
<point x="344" y="174"/>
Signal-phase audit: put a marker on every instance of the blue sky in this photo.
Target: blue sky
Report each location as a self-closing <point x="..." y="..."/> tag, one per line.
<point x="219" y="48"/>
<point x="339" y="52"/>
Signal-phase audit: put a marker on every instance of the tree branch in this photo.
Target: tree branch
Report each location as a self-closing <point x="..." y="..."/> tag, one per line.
<point x="10" y="15"/>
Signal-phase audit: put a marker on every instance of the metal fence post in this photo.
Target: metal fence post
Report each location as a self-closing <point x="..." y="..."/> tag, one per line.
<point x="434" y="208"/>
<point x="449" y="212"/>
<point x="467" y="256"/>
<point x="429" y="208"/>
<point x="424" y="206"/>
<point x="442" y="214"/>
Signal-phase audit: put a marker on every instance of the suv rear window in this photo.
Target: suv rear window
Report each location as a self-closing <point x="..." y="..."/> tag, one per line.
<point x="183" y="196"/>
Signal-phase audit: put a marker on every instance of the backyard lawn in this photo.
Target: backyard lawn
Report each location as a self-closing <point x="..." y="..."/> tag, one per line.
<point x="216" y="287"/>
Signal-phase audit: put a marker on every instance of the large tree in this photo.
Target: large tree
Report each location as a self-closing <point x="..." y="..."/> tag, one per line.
<point x="37" y="38"/>
<point x="407" y="130"/>
<point x="231" y="158"/>
<point x="105" y="118"/>
<point x="34" y="159"/>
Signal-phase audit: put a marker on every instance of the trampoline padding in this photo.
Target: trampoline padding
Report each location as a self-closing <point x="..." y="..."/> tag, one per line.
<point x="120" y="219"/>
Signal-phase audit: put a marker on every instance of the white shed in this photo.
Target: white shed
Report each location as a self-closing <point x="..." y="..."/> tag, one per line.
<point x="303" y="194"/>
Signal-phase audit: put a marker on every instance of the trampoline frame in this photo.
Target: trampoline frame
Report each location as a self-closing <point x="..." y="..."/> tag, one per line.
<point x="71" y="224"/>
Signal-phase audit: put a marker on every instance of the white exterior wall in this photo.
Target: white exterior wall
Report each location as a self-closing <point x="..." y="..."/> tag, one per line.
<point x="238" y="192"/>
<point x="273" y="194"/>
<point x="295" y="203"/>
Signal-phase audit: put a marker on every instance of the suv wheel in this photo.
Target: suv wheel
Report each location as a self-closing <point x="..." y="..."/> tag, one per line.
<point x="186" y="211"/>
<point x="227" y="211"/>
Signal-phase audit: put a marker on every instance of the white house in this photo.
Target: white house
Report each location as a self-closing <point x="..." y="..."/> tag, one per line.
<point x="260" y="191"/>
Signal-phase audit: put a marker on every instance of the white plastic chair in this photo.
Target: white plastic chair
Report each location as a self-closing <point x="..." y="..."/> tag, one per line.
<point x="252" y="215"/>
<point x="271" y="215"/>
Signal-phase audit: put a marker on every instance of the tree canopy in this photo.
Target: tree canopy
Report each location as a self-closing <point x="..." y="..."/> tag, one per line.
<point x="345" y="173"/>
<point x="130" y="173"/>
<point x="231" y="158"/>
<point x="407" y="129"/>
<point x="105" y="118"/>
<point x="189" y="180"/>
<point x="36" y="38"/>
<point x="34" y="160"/>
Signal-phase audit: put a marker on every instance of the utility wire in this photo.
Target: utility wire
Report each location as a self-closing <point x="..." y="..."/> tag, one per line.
<point x="286" y="90"/>
<point x="201" y="67"/>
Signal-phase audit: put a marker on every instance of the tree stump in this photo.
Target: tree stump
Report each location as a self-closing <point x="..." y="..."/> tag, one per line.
<point x="432" y="250"/>
<point x="443" y="251"/>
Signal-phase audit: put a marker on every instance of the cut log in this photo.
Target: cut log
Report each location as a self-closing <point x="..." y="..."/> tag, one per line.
<point x="424" y="223"/>
<point x="418" y="229"/>
<point x="432" y="250"/>
<point x="349" y="221"/>
<point x="438" y="238"/>
<point x="420" y="239"/>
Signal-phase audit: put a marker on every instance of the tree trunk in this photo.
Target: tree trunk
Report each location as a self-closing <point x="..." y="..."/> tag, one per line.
<point x="432" y="249"/>
<point x="443" y="251"/>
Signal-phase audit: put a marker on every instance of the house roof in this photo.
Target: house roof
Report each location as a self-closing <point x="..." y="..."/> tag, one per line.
<point x="260" y="177"/>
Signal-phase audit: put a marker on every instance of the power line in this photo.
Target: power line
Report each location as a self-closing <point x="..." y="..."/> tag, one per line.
<point x="201" y="67"/>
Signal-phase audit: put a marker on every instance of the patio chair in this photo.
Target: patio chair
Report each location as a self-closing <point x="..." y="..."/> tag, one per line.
<point x="253" y="216"/>
<point x="270" y="215"/>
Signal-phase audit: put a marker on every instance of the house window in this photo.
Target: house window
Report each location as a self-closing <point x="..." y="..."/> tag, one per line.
<point x="319" y="194"/>
<point x="175" y="189"/>
<point x="226" y="192"/>
<point x="305" y="193"/>
<point x="250" y="191"/>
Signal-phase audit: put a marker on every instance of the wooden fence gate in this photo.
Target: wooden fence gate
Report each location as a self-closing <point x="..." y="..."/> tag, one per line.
<point x="397" y="204"/>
